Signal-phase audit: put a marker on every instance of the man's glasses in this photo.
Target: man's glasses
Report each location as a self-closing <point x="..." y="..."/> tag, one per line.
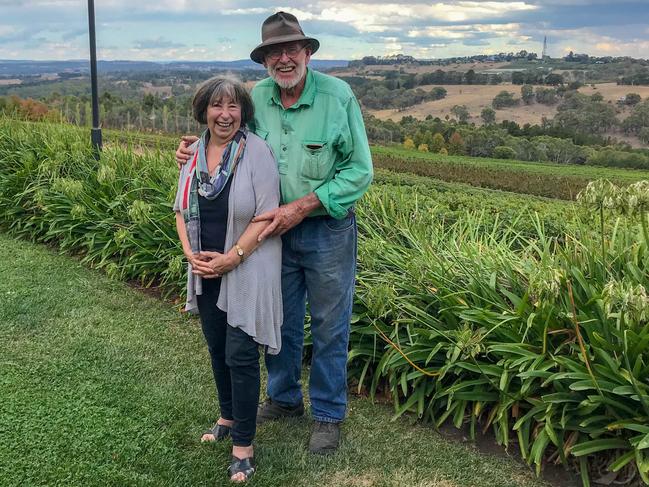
<point x="291" y="51"/>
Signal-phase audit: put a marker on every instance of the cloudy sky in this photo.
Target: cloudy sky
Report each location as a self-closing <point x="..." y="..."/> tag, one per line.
<point x="350" y="29"/>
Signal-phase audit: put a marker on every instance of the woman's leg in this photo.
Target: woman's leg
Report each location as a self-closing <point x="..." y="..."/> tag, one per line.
<point x="242" y="358"/>
<point x="214" y="324"/>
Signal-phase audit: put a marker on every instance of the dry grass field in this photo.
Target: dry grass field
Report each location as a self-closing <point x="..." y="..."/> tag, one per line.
<point x="361" y="71"/>
<point x="476" y="97"/>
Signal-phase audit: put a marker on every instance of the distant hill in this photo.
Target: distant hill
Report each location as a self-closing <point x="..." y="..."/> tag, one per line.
<point x="34" y="68"/>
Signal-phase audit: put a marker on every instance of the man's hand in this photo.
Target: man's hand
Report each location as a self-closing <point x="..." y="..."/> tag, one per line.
<point x="287" y="216"/>
<point x="183" y="154"/>
<point x="282" y="220"/>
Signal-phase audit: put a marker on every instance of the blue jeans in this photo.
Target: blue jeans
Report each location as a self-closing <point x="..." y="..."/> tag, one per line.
<point x="318" y="266"/>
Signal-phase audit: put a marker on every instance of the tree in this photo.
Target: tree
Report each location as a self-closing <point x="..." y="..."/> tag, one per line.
<point x="638" y="119"/>
<point x="527" y="94"/>
<point x="632" y="99"/>
<point x="456" y="144"/>
<point x="461" y="113"/>
<point x="504" y="152"/>
<point x="547" y="96"/>
<point x="470" y="77"/>
<point x="504" y="99"/>
<point x="644" y="135"/>
<point x="422" y="148"/>
<point x="488" y="115"/>
<point x="518" y="77"/>
<point x="408" y="143"/>
<point x="437" y="143"/>
<point x="554" y="79"/>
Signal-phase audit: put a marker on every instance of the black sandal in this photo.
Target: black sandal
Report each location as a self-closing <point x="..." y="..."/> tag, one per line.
<point x="246" y="466"/>
<point x="219" y="431"/>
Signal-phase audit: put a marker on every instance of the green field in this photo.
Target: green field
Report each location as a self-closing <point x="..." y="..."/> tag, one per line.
<point x="522" y="315"/>
<point x="562" y="181"/>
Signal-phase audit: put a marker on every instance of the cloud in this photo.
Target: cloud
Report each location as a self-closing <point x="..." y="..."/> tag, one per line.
<point x="157" y="43"/>
<point x="73" y="34"/>
<point x="476" y="42"/>
<point x="227" y="29"/>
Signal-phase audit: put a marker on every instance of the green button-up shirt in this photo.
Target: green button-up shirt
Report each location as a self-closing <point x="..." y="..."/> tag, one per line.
<point x="320" y="142"/>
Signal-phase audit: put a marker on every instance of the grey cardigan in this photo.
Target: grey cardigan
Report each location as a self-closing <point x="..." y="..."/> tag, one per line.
<point x="251" y="294"/>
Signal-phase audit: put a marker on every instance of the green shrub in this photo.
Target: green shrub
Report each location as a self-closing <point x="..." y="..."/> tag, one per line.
<point x="614" y="158"/>
<point x="504" y="99"/>
<point x="504" y="152"/>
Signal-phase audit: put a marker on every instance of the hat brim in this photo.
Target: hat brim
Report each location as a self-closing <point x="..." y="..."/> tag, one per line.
<point x="257" y="54"/>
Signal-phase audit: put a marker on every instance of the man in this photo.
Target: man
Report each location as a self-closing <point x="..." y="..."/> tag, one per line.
<point x="314" y="126"/>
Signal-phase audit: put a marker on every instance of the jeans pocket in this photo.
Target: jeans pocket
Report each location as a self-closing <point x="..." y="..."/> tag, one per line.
<point x="340" y="225"/>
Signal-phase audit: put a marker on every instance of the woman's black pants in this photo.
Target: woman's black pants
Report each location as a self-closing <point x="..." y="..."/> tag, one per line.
<point x="235" y="363"/>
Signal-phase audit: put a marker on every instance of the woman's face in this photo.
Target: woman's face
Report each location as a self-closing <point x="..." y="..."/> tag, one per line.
<point x="223" y="119"/>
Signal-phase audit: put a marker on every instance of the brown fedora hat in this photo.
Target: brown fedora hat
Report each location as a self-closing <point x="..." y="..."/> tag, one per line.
<point x="277" y="29"/>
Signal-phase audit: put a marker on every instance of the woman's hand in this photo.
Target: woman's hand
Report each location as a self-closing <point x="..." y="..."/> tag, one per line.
<point x="194" y="259"/>
<point x="183" y="154"/>
<point x="214" y="264"/>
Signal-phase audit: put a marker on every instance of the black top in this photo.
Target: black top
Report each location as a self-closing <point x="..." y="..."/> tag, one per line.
<point x="214" y="219"/>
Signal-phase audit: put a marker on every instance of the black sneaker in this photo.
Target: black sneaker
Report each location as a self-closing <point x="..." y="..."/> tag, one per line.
<point x="268" y="411"/>
<point x="325" y="438"/>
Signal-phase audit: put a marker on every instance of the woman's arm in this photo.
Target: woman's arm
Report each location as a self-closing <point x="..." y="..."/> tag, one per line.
<point x="265" y="183"/>
<point x="220" y="264"/>
<point x="194" y="259"/>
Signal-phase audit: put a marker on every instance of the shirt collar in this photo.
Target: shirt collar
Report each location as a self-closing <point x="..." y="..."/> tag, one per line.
<point x="307" y="96"/>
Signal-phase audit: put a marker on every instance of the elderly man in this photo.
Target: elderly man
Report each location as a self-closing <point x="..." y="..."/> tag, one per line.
<point x="314" y="126"/>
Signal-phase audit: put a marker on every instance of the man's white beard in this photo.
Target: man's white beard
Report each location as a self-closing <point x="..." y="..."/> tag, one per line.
<point x="300" y="71"/>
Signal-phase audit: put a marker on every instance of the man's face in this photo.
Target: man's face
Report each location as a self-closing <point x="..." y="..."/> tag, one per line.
<point x="286" y="63"/>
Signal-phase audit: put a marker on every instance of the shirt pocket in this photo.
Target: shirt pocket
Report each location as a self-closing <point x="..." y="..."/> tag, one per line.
<point x="316" y="160"/>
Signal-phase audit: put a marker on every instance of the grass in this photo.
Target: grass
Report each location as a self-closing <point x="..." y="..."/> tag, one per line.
<point x="103" y="385"/>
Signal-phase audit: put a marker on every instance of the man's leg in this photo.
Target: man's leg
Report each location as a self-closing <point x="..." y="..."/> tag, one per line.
<point x="330" y="269"/>
<point x="284" y="369"/>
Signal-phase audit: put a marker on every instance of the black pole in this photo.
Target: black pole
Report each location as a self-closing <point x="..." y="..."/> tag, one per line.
<point x="95" y="132"/>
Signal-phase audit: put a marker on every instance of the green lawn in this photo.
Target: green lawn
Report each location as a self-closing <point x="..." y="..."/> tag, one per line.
<point x="104" y="385"/>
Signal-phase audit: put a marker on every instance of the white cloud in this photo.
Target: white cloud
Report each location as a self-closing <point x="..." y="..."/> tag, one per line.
<point x="384" y="17"/>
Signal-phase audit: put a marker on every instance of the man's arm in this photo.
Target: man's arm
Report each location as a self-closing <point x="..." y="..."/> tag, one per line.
<point x="184" y="153"/>
<point x="354" y="172"/>
<point x="287" y="216"/>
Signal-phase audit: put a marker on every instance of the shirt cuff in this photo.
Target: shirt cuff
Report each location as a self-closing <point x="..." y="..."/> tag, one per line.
<point x="333" y="209"/>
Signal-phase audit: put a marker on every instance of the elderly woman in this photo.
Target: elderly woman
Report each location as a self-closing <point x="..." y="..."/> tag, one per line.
<point x="233" y="280"/>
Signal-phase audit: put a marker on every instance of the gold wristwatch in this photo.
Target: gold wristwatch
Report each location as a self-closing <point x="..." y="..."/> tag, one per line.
<point x="239" y="250"/>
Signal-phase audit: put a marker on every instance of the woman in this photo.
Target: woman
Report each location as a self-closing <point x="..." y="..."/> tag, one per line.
<point x="233" y="281"/>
